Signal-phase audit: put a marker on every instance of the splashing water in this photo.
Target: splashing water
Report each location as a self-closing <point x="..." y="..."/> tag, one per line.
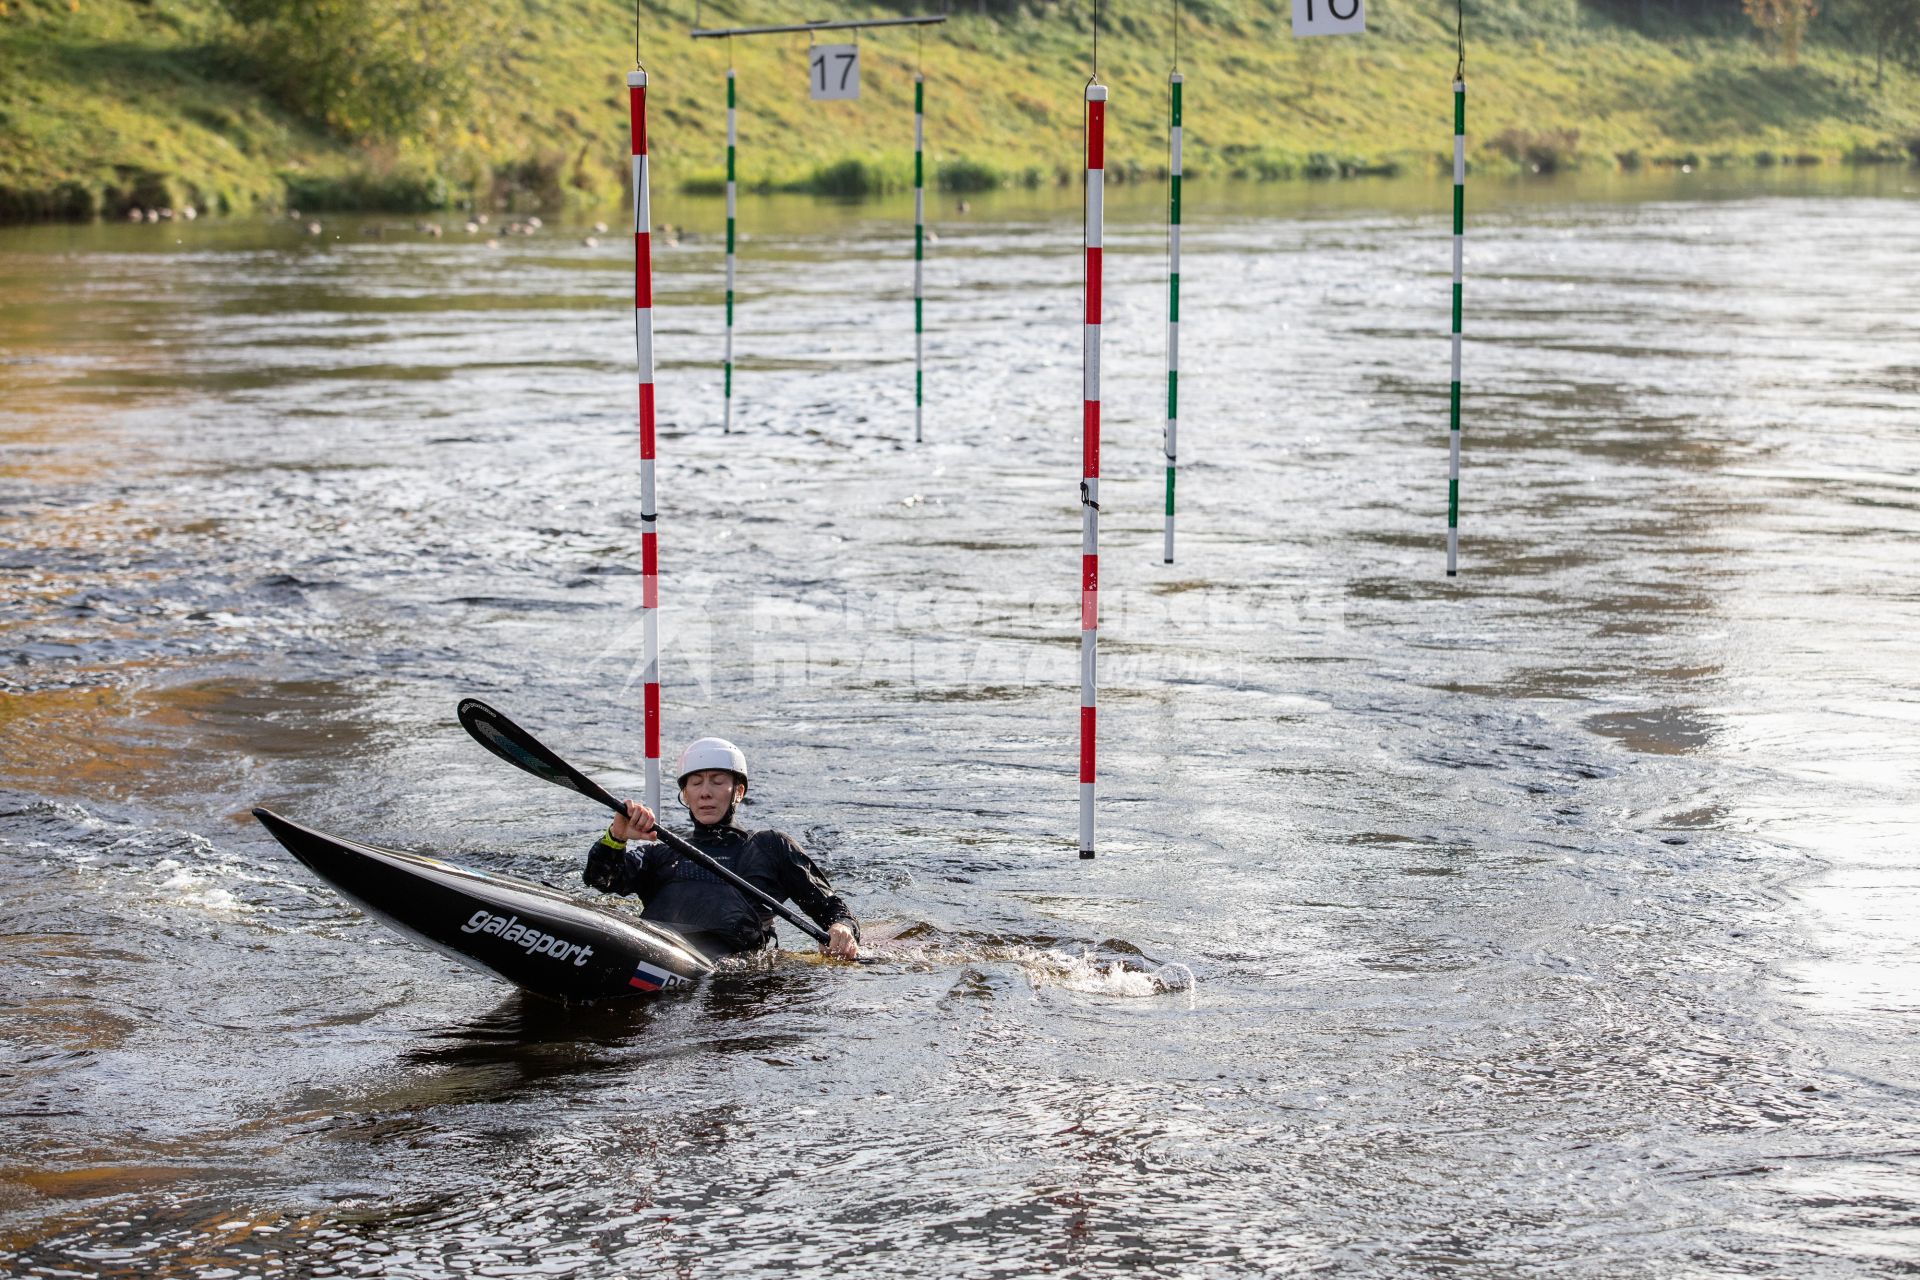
<point x="1043" y="964"/>
<point x="190" y="888"/>
<point x="1086" y="973"/>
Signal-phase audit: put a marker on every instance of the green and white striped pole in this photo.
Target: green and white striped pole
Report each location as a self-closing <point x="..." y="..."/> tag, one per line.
<point x="1459" y="276"/>
<point x="919" y="248"/>
<point x="726" y="359"/>
<point x="1174" y="82"/>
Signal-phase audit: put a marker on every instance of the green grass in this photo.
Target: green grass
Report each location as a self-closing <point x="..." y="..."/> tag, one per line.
<point x="112" y="103"/>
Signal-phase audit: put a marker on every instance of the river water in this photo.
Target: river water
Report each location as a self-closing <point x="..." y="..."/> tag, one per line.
<point x="1555" y="920"/>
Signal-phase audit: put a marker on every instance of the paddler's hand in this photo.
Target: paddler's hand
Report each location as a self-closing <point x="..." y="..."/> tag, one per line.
<point x="635" y="824"/>
<point x="841" y="944"/>
<point x="604" y="864"/>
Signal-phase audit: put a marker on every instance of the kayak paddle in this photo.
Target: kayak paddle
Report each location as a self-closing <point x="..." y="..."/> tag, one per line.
<point x="517" y="747"/>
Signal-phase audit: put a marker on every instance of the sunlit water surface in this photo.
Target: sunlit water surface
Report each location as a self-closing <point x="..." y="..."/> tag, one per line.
<point x="1554" y="920"/>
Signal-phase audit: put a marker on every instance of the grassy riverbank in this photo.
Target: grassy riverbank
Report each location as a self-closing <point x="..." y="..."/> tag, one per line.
<point x="112" y="104"/>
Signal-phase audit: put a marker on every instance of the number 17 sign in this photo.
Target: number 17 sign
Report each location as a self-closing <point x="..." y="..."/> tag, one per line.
<point x="833" y="71"/>
<point x="1329" y="17"/>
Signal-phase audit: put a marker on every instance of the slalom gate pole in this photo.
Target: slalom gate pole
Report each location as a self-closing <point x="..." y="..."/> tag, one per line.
<point x="726" y="375"/>
<point x="643" y="351"/>
<point x="1090" y="455"/>
<point x="1174" y="82"/>
<point x="919" y="248"/>
<point x="1459" y="276"/>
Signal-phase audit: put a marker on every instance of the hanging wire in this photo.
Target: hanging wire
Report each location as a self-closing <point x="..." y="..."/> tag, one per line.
<point x="1176" y="37"/>
<point x="636" y="36"/>
<point x="919" y="47"/>
<point x="1095" y="77"/>
<point x="1459" y="36"/>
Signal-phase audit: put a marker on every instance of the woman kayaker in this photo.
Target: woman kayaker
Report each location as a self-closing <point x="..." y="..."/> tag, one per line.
<point x="700" y="906"/>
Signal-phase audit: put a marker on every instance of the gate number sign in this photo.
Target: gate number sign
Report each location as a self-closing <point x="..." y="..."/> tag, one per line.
<point x="833" y="70"/>
<point x="1328" y="17"/>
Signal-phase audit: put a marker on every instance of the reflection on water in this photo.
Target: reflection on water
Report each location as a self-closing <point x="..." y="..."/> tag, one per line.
<point x="1556" y="920"/>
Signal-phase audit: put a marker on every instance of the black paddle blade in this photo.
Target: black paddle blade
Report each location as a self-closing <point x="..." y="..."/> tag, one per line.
<point x="521" y="749"/>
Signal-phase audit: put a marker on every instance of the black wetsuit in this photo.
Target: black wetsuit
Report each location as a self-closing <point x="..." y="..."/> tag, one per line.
<point x="710" y="913"/>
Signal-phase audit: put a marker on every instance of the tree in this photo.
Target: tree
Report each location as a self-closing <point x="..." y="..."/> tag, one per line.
<point x="362" y="68"/>
<point x="1784" y="23"/>
<point x="1894" y="28"/>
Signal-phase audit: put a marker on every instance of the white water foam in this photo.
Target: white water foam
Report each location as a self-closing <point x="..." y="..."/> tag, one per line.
<point x="1043" y="967"/>
<point x="185" y="886"/>
<point x="1084" y="973"/>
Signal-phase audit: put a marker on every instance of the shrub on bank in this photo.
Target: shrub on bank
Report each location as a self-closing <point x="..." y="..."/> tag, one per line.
<point x="65" y="202"/>
<point x="392" y="192"/>
<point x="1884" y="152"/>
<point x="361" y="68"/>
<point x="1541" y="150"/>
<point x="849" y="178"/>
<point x="964" y="176"/>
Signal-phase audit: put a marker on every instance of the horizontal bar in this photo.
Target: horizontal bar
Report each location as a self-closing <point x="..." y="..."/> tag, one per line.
<point x="709" y="33"/>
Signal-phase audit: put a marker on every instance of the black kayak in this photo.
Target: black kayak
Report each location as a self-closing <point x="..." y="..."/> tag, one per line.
<point x="537" y="938"/>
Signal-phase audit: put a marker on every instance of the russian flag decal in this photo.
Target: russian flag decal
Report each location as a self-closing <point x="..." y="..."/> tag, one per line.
<point x="648" y="978"/>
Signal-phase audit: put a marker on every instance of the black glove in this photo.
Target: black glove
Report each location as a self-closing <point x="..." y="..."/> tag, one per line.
<point x="604" y="866"/>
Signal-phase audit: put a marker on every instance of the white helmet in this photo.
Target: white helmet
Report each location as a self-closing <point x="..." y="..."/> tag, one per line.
<point x="711" y="753"/>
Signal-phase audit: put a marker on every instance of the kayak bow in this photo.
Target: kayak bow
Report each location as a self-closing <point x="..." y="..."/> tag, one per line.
<point x="537" y="938"/>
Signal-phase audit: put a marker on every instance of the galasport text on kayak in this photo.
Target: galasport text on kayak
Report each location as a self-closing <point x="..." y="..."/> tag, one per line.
<point x="511" y="930"/>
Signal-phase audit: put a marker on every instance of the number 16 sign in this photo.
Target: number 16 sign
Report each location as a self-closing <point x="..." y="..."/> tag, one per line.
<point x="833" y="71"/>
<point x="1329" y="17"/>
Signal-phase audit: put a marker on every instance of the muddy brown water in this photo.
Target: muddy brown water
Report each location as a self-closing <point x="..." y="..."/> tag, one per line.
<point x="1553" y="921"/>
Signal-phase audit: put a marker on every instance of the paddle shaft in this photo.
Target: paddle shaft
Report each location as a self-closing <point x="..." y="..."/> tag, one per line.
<point x="580" y="782"/>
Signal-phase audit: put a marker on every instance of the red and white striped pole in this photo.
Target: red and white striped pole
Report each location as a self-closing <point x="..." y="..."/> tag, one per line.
<point x="643" y="351"/>
<point x="1090" y="457"/>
